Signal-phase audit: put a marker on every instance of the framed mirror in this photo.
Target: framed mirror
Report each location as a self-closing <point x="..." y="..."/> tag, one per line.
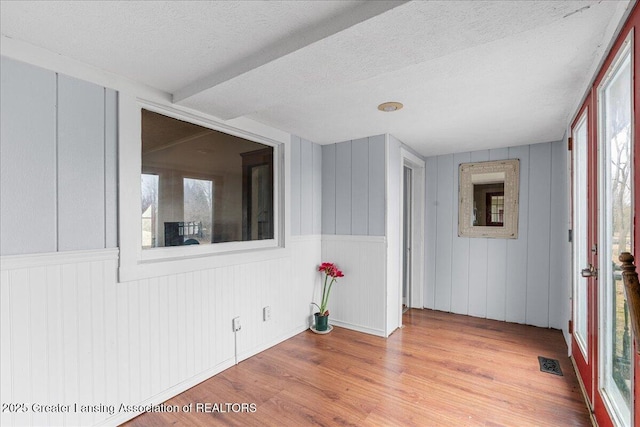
<point x="488" y="199"/>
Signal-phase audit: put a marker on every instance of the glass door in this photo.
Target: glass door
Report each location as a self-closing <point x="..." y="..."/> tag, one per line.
<point x="616" y="228"/>
<point x="584" y="276"/>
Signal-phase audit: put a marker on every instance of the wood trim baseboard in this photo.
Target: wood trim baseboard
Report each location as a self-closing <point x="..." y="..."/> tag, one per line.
<point x="358" y="328"/>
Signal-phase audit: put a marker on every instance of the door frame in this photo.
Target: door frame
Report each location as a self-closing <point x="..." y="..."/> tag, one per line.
<point x="586" y="367"/>
<point x="417" y="166"/>
<point x="407" y="178"/>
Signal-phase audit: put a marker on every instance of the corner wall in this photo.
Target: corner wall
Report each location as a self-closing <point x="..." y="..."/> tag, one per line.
<point x="353" y="231"/>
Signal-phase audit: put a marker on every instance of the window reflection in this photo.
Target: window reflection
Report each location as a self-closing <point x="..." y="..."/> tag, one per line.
<point x="149" y="204"/>
<point x="197" y="187"/>
<point x="488" y="204"/>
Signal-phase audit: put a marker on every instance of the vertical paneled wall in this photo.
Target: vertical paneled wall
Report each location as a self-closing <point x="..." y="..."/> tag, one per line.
<point x="353" y="187"/>
<point x="518" y="280"/>
<point x="560" y="251"/>
<point x="27" y="145"/>
<point x="306" y="187"/>
<point x="353" y="231"/>
<point x="58" y="152"/>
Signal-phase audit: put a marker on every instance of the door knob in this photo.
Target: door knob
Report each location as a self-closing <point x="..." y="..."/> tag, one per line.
<point x="589" y="272"/>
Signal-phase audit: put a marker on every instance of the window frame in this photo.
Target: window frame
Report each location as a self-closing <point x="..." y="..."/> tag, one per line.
<point x="138" y="263"/>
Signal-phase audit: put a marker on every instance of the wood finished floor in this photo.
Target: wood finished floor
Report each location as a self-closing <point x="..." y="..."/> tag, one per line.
<point x="441" y="369"/>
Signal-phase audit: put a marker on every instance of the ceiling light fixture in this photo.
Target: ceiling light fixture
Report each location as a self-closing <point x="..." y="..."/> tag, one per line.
<point x="388" y="107"/>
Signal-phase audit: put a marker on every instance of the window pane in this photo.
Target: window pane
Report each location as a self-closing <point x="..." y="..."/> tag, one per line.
<point x="209" y="186"/>
<point x="198" y="210"/>
<point x="617" y="230"/>
<point x="149" y="210"/>
<point x="580" y="235"/>
<point x="497" y="209"/>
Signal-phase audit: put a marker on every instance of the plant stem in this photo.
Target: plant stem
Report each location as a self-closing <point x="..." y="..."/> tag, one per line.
<point x="329" y="289"/>
<point x="323" y="304"/>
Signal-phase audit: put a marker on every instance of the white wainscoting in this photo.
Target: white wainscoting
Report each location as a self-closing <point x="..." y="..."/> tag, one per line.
<point x="358" y="300"/>
<point x="72" y="334"/>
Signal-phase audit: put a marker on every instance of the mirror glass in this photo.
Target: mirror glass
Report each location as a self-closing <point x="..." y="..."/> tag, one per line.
<point x="488" y="197"/>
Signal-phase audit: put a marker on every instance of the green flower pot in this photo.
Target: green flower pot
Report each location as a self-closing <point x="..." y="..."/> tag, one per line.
<point x="322" y="322"/>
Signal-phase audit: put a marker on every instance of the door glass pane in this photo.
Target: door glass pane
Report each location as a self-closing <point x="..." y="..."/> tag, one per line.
<point x="580" y="234"/>
<point x="616" y="237"/>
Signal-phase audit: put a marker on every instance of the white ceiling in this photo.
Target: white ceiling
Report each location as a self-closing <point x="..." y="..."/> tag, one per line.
<point x="471" y="74"/>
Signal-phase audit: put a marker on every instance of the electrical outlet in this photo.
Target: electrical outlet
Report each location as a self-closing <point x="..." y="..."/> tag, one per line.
<point x="236" y="324"/>
<point x="266" y="313"/>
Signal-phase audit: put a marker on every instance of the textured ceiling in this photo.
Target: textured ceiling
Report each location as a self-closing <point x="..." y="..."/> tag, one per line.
<point x="471" y="74"/>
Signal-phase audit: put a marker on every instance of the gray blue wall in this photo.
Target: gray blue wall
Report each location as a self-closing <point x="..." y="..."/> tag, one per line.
<point x="306" y="187"/>
<point x="353" y="187"/>
<point x="521" y="280"/>
<point x="58" y="162"/>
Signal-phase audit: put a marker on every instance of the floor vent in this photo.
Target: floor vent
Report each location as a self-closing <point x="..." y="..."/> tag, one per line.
<point x="550" y="366"/>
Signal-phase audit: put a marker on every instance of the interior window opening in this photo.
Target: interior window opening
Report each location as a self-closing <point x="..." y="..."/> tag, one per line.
<point x="202" y="186"/>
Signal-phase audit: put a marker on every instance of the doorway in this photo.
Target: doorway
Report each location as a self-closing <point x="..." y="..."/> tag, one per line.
<point x="411" y="280"/>
<point x="407" y="238"/>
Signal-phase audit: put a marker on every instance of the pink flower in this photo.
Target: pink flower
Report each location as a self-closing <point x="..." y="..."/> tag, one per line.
<point x="326" y="266"/>
<point x="330" y="270"/>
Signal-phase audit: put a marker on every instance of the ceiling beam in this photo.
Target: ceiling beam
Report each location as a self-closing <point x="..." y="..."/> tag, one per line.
<point x="290" y="44"/>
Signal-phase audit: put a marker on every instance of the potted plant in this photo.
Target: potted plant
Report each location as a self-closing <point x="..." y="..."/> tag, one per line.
<point x="329" y="270"/>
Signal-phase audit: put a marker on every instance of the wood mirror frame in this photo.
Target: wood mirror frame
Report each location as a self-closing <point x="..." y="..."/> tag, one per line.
<point x="510" y="170"/>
